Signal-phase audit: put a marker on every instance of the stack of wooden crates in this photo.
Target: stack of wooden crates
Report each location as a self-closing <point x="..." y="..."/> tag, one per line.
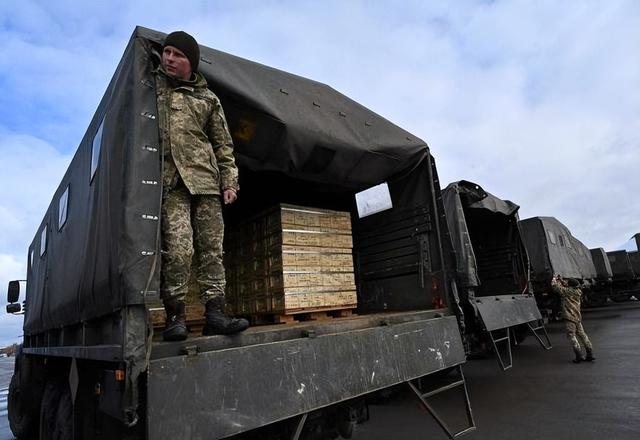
<point x="289" y="260"/>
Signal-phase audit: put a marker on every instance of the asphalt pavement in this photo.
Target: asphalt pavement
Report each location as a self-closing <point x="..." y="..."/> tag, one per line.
<point x="543" y="396"/>
<point x="6" y="370"/>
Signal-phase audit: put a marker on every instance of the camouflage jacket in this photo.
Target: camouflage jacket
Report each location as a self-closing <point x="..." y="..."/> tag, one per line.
<point x="571" y="298"/>
<point x="194" y="136"/>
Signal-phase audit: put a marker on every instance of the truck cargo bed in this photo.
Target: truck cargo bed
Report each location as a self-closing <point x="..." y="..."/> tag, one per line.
<point x="262" y="334"/>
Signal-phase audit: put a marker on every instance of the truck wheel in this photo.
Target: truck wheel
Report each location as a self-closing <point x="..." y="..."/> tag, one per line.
<point x="56" y="412"/>
<point x="22" y="422"/>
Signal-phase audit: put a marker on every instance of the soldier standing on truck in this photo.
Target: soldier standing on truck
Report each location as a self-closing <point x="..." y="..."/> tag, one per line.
<point x="198" y="170"/>
<point x="571" y="298"/>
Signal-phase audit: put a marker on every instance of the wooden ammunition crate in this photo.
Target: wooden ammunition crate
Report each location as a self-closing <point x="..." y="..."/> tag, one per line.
<point x="290" y="259"/>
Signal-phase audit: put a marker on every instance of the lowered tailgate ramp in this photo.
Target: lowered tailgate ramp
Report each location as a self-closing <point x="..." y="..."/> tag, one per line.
<point x="500" y="313"/>
<point x="253" y="380"/>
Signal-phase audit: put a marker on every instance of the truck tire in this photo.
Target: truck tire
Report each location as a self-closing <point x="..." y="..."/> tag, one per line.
<point x="56" y="412"/>
<point x="22" y="422"/>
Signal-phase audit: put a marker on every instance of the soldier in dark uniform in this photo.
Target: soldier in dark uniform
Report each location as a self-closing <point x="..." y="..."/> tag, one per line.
<point x="198" y="171"/>
<point x="571" y="299"/>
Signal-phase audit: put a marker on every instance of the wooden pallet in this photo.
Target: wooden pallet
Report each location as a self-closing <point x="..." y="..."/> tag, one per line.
<point x="300" y="316"/>
<point x="195" y="318"/>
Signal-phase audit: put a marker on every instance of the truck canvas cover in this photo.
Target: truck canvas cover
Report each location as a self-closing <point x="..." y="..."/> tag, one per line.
<point x="297" y="140"/>
<point x="634" y="259"/>
<point x="554" y="251"/>
<point x="621" y="265"/>
<point x="492" y="265"/>
<point x="457" y="197"/>
<point x="601" y="263"/>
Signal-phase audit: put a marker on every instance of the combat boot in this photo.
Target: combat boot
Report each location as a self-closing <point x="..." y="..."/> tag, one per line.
<point x="579" y="358"/>
<point x="217" y="323"/>
<point x="175" y="328"/>
<point x="589" y="357"/>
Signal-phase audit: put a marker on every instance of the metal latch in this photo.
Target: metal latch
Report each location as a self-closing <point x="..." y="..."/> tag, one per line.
<point x="190" y="350"/>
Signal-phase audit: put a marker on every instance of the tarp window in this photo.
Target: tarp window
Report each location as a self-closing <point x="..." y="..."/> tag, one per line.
<point x="43" y="241"/>
<point x="95" y="149"/>
<point x="62" y="208"/>
<point x="552" y="237"/>
<point x="30" y="258"/>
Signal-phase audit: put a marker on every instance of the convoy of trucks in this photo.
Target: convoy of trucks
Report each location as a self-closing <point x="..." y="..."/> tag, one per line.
<point x="439" y="275"/>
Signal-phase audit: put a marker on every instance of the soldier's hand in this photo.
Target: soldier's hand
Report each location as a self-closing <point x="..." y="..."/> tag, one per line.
<point x="229" y="196"/>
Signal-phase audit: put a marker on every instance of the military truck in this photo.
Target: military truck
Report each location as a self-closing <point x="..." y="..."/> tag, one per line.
<point x="492" y="271"/>
<point x="625" y="279"/>
<point x="601" y="290"/>
<point x="91" y="366"/>
<point x="554" y="251"/>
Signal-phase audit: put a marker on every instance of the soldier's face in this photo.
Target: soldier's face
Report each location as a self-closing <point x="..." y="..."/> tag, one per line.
<point x="175" y="63"/>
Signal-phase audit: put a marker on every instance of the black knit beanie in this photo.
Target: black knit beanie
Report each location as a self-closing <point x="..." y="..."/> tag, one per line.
<point x="187" y="45"/>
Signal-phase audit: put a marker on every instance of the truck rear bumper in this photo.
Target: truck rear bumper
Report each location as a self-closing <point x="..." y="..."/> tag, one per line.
<point x="224" y="392"/>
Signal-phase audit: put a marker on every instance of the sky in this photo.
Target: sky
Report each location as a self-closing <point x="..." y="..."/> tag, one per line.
<point x="536" y="101"/>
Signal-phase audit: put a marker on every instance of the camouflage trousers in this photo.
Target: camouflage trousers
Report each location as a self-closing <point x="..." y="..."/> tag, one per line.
<point x="577" y="336"/>
<point x="192" y="225"/>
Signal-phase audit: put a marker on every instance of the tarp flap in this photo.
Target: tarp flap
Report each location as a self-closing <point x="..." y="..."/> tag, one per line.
<point x="475" y="197"/>
<point x="466" y="268"/>
<point x="554" y="251"/>
<point x="305" y="129"/>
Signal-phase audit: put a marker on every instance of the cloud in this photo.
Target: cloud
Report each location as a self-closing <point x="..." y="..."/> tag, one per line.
<point x="31" y="171"/>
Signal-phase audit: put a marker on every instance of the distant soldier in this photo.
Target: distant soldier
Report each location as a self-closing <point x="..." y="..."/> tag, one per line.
<point x="198" y="170"/>
<point x="571" y="298"/>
